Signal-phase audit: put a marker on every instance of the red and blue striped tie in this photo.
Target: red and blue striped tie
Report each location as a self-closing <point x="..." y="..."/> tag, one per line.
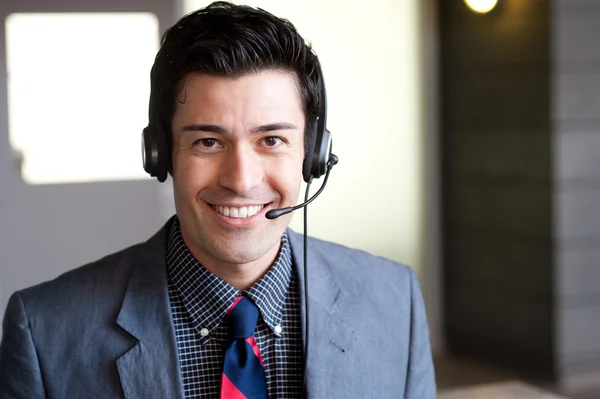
<point x="243" y="370"/>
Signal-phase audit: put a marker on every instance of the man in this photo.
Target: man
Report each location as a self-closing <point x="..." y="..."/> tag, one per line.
<point x="212" y="306"/>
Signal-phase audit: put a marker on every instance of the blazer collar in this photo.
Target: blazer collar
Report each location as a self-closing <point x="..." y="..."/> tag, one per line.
<point x="151" y="367"/>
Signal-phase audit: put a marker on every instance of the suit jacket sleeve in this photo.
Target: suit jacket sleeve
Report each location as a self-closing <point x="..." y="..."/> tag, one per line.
<point x="20" y="374"/>
<point x="420" y="382"/>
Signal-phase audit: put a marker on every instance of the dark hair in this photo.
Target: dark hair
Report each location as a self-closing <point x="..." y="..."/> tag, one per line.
<point x="231" y="40"/>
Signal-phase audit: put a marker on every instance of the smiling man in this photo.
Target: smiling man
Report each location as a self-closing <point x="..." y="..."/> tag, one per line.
<point x="214" y="305"/>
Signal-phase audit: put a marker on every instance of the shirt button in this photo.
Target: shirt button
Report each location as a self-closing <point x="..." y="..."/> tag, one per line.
<point x="204" y="332"/>
<point x="278" y="329"/>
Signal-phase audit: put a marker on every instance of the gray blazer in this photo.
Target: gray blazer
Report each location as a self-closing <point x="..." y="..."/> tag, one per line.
<point x="104" y="330"/>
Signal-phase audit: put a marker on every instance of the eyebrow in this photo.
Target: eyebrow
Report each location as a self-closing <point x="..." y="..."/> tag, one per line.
<point x="220" y="130"/>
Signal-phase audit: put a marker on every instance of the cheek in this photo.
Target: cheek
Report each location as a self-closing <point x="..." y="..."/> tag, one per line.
<point x="286" y="177"/>
<point x="190" y="175"/>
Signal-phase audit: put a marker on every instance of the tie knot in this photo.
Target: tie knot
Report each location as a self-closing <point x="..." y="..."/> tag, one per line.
<point x="242" y="317"/>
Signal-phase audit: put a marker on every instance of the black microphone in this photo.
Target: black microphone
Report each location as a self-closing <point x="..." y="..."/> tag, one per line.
<point x="275" y="213"/>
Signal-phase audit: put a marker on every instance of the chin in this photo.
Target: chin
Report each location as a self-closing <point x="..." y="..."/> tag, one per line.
<point x="244" y="250"/>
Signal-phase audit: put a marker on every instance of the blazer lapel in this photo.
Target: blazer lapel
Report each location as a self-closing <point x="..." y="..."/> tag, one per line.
<point x="330" y="343"/>
<point x="150" y="369"/>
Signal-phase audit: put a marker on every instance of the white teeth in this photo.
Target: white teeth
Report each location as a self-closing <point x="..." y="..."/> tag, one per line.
<point x="238" y="213"/>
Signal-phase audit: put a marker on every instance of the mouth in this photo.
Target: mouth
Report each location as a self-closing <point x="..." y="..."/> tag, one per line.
<point x="243" y="212"/>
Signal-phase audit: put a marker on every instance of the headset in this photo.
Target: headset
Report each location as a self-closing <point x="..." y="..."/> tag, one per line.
<point x="156" y="148"/>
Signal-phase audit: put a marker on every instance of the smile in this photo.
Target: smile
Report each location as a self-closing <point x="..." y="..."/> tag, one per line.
<point x="243" y="212"/>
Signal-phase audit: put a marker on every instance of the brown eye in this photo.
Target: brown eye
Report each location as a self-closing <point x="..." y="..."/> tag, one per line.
<point x="272" y="141"/>
<point x="207" y="142"/>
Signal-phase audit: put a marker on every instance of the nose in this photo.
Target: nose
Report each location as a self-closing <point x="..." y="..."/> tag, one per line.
<point x="242" y="170"/>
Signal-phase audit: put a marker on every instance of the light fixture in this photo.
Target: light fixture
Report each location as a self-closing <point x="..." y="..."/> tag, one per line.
<point x="481" y="6"/>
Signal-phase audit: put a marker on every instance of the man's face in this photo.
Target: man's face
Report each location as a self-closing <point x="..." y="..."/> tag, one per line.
<point x="238" y="147"/>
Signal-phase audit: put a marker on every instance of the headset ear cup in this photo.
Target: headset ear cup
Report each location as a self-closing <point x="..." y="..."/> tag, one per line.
<point x="149" y="151"/>
<point x="155" y="153"/>
<point x="315" y="165"/>
<point x="321" y="155"/>
<point x="325" y="150"/>
<point x="164" y="154"/>
<point x="310" y="153"/>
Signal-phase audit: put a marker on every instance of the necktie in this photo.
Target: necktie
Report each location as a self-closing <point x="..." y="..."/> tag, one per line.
<point x="243" y="370"/>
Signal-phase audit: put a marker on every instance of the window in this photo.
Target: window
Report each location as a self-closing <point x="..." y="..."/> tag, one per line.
<point x="78" y="89"/>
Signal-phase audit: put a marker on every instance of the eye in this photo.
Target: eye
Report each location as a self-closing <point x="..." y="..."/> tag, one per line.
<point x="272" y="141"/>
<point x="206" y="142"/>
<point x="207" y="145"/>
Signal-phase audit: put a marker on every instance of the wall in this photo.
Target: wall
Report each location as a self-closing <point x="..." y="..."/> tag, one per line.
<point x="576" y="141"/>
<point x="498" y="180"/>
<point x="48" y="229"/>
<point x="522" y="195"/>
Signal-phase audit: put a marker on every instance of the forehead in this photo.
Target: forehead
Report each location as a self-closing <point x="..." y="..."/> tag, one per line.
<point x="267" y="91"/>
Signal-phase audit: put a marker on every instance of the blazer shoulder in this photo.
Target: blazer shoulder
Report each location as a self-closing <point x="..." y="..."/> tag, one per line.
<point x="99" y="281"/>
<point x="358" y="268"/>
<point x="102" y="276"/>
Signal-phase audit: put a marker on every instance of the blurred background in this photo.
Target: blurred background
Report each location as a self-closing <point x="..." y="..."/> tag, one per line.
<point x="467" y="133"/>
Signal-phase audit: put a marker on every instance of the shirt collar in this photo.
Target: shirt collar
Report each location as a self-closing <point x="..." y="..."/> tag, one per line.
<point x="207" y="298"/>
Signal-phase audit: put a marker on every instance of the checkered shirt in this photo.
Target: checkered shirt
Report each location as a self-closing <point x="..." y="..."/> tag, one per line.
<point x="199" y="301"/>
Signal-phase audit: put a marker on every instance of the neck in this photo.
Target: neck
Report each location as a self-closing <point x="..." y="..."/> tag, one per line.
<point x="241" y="276"/>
